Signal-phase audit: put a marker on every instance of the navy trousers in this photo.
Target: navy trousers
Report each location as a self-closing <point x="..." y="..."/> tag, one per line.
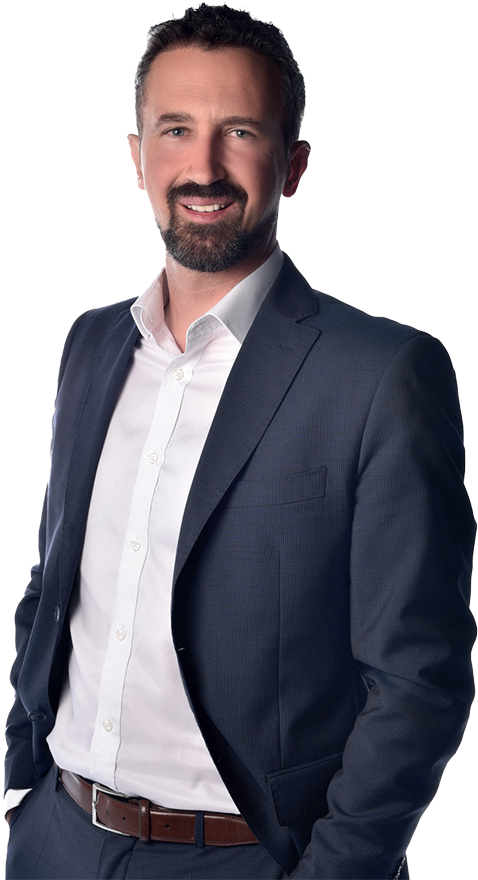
<point x="52" y="838"/>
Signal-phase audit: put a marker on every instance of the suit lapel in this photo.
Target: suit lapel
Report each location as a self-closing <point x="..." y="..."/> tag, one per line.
<point x="267" y="363"/>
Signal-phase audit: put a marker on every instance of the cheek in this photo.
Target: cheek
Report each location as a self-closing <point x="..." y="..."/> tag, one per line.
<point x="158" y="171"/>
<point x="266" y="186"/>
<point x="157" y="186"/>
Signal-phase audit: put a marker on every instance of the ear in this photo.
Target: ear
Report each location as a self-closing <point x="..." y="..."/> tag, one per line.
<point x="135" y="148"/>
<point x="299" y="156"/>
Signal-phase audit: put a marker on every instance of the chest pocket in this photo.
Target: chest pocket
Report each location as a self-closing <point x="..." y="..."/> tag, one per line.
<point x="288" y="489"/>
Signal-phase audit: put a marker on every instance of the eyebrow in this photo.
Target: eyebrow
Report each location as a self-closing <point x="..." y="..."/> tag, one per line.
<point x="173" y="117"/>
<point x="186" y="117"/>
<point x="243" y="120"/>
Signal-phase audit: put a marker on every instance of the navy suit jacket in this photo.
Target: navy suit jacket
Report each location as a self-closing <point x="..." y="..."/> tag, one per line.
<point x="320" y="602"/>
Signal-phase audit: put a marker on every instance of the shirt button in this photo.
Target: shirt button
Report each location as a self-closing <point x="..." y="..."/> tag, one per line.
<point x="135" y="545"/>
<point x="152" y="457"/>
<point x="107" y="725"/>
<point x="178" y="374"/>
<point x="120" y="634"/>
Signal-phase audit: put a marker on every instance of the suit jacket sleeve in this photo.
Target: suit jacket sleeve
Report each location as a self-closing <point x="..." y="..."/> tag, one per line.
<point x="411" y="630"/>
<point x="21" y="764"/>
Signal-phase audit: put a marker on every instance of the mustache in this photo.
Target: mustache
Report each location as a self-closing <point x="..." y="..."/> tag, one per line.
<point x="211" y="191"/>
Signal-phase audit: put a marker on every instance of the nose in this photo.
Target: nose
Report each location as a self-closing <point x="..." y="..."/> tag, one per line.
<point x="206" y="161"/>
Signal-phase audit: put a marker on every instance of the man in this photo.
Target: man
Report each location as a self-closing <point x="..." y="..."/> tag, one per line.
<point x="251" y="606"/>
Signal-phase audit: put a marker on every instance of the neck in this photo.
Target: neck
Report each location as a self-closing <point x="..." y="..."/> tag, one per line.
<point x="192" y="294"/>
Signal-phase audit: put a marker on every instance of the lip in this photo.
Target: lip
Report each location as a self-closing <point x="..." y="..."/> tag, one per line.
<point x="205" y="216"/>
<point x="200" y="201"/>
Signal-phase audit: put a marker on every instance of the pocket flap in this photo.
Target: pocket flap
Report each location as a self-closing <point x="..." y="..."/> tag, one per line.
<point x="287" y="489"/>
<point x="300" y="792"/>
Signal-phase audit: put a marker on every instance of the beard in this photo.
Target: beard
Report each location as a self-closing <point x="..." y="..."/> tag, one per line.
<point x="217" y="247"/>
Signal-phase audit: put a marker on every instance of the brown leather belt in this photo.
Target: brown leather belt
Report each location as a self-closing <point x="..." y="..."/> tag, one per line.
<point x="138" y="817"/>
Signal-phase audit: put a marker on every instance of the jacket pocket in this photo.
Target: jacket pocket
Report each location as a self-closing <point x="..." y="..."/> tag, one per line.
<point x="280" y="490"/>
<point x="301" y="792"/>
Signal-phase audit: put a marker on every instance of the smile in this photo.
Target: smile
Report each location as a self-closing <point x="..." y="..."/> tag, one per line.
<point x="208" y="209"/>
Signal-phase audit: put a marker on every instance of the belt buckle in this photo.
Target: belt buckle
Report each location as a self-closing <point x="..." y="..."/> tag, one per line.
<point x="95" y="788"/>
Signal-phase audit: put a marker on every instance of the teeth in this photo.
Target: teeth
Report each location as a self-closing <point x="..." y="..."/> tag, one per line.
<point x="206" y="208"/>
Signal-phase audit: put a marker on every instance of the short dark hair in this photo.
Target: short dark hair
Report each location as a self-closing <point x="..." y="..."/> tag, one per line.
<point x="217" y="27"/>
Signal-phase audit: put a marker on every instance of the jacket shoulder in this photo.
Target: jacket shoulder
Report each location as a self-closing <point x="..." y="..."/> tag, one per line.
<point x="91" y="329"/>
<point x="358" y="328"/>
<point x="356" y="349"/>
<point x="347" y="327"/>
<point x="99" y="320"/>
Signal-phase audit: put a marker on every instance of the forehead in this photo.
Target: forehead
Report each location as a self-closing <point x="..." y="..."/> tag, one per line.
<point x="227" y="81"/>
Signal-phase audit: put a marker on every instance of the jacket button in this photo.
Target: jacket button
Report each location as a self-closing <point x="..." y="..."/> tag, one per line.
<point x="37" y="716"/>
<point x="56" y="614"/>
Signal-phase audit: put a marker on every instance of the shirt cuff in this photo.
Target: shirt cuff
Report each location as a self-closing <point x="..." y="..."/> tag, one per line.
<point x="14" y="797"/>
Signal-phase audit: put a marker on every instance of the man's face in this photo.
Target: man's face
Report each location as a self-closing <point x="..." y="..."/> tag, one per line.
<point x="212" y="155"/>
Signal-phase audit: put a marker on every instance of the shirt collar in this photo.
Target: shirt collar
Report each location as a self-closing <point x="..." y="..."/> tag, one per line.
<point x="236" y="310"/>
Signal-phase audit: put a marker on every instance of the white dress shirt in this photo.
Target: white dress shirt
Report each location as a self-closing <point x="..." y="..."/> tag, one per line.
<point x="124" y="719"/>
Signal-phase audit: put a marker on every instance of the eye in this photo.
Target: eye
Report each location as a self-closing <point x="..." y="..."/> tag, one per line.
<point x="242" y="133"/>
<point x="177" y="132"/>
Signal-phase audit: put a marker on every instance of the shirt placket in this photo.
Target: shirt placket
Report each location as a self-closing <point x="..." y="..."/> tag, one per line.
<point x="107" y="731"/>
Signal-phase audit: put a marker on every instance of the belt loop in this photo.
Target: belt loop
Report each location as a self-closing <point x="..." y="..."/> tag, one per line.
<point x="144" y="821"/>
<point x="199" y="829"/>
